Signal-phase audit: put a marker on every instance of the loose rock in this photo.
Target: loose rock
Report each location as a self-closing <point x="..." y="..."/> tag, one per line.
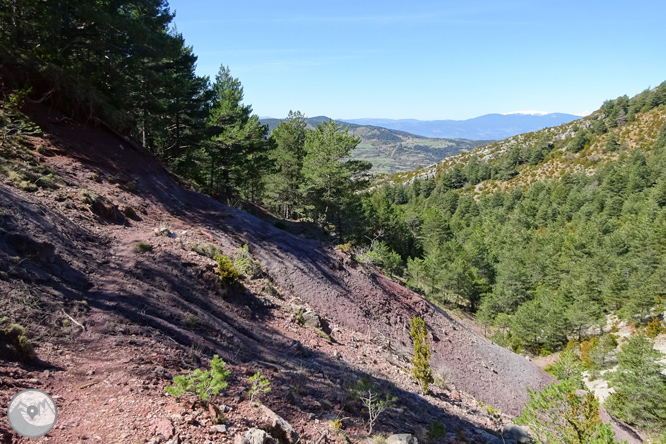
<point x="254" y="436"/>
<point x="402" y="438"/>
<point x="517" y="433"/>
<point x="280" y="428"/>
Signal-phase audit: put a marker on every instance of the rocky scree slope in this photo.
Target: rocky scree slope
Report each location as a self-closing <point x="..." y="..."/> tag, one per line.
<point x="111" y="325"/>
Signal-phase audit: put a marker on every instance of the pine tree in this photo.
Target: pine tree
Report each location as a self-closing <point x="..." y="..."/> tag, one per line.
<point x="331" y="178"/>
<point x="237" y="149"/>
<point x="187" y="112"/>
<point x="421" y="359"/>
<point x="288" y="142"/>
<point x="557" y="415"/>
<point x="640" y="387"/>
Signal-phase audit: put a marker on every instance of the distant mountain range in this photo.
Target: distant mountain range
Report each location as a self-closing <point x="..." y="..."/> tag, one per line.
<point x="392" y="151"/>
<point x="489" y="126"/>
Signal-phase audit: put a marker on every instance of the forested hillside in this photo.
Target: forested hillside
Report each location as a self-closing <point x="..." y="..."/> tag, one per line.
<point x="572" y="215"/>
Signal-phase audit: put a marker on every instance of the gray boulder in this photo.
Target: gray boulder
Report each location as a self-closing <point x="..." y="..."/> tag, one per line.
<point x="254" y="436"/>
<point x="279" y="428"/>
<point x="402" y="438"/>
<point x="311" y="319"/>
<point x="517" y="433"/>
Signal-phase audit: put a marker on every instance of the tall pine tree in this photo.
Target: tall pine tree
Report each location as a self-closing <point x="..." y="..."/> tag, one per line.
<point x="288" y="142"/>
<point x="331" y="177"/>
<point x="640" y="387"/>
<point x="237" y="148"/>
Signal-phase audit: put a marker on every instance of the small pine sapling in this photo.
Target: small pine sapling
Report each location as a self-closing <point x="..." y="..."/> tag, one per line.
<point x="225" y="268"/>
<point x="421" y="360"/>
<point x="372" y="400"/>
<point x="260" y="386"/>
<point x="200" y="383"/>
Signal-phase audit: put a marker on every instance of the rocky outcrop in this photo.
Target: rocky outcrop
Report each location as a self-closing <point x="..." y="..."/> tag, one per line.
<point x="279" y="428"/>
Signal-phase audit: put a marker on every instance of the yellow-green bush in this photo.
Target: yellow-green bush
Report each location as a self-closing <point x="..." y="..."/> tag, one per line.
<point x="226" y="270"/>
<point x="18" y="337"/>
<point x="654" y="328"/>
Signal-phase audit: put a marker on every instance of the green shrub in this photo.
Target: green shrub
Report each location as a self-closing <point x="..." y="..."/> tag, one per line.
<point x="143" y="247"/>
<point x="585" y="348"/>
<point x="322" y="334"/>
<point x="501" y="338"/>
<point x="436" y="430"/>
<point x="205" y="249"/>
<point x="382" y="256"/>
<point x="226" y="270"/>
<point x="87" y="196"/>
<point x="21" y="180"/>
<point x="654" y="328"/>
<point x="48" y="181"/>
<point x="18" y="337"/>
<point x="245" y="264"/>
<point x="260" y="386"/>
<point x="203" y="384"/>
<point x="269" y="288"/>
<point x="599" y="356"/>
<point x="298" y="317"/>
<point x="336" y="425"/>
<point x="569" y="366"/>
<point x="640" y="386"/>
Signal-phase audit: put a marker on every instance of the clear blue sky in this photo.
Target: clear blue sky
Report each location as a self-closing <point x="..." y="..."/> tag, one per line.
<point x="428" y="60"/>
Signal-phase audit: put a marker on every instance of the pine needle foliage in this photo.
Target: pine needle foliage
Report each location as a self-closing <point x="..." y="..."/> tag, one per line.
<point x="421" y="360"/>
<point x="260" y="386"/>
<point x="560" y="415"/>
<point x="654" y="328"/>
<point x="569" y="366"/>
<point x="225" y="268"/>
<point x="203" y="384"/>
<point x="640" y="386"/>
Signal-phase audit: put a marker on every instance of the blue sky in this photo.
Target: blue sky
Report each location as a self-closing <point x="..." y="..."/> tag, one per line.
<point x="428" y="60"/>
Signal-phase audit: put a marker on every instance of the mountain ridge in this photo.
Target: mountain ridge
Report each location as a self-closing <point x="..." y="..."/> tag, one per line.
<point x="494" y="126"/>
